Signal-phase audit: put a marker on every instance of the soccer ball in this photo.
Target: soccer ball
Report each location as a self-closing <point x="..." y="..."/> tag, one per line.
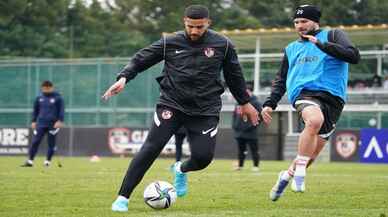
<point x="159" y="195"/>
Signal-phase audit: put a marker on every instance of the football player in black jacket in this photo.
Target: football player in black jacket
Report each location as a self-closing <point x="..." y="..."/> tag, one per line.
<point x="190" y="86"/>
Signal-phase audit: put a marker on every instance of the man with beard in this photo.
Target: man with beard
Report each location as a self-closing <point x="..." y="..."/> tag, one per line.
<point x="314" y="72"/>
<point x="190" y="89"/>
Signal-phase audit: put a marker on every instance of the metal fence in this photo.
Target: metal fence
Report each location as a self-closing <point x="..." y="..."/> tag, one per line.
<point x="82" y="82"/>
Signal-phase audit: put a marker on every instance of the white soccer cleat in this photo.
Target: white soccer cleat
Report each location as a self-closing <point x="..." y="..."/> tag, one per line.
<point x="28" y="163"/>
<point x="47" y="163"/>
<point x="298" y="185"/>
<point x="278" y="189"/>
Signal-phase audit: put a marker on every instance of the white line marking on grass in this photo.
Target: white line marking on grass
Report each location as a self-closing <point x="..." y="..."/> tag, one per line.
<point x="239" y="173"/>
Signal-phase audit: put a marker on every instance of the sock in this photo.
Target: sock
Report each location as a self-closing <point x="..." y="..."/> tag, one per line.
<point x="178" y="167"/>
<point x="300" y="165"/>
<point x="291" y="169"/>
<point x="286" y="176"/>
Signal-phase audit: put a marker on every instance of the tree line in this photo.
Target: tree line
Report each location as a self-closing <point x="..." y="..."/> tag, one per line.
<point x="111" y="28"/>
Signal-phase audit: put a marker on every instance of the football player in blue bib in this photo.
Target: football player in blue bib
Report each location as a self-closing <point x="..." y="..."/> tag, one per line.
<point x="314" y="72"/>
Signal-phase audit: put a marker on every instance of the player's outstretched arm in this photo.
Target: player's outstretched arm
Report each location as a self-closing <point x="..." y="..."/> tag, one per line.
<point x="115" y="88"/>
<point x="249" y="112"/>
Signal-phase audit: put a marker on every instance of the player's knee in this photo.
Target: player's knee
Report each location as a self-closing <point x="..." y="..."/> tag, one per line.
<point x="203" y="163"/>
<point x="35" y="143"/>
<point x="204" y="160"/>
<point x="149" y="149"/>
<point x="314" y="122"/>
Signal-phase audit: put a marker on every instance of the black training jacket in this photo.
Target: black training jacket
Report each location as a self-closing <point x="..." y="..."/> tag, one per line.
<point x="338" y="46"/>
<point x="191" y="77"/>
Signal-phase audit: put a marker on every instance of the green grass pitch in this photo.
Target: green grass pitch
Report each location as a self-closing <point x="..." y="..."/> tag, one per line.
<point x="82" y="188"/>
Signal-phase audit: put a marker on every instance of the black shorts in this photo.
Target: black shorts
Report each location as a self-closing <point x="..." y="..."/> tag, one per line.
<point x="331" y="107"/>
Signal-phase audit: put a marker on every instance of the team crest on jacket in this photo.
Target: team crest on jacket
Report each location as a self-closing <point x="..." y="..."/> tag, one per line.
<point x="166" y="114"/>
<point x="52" y="100"/>
<point x="209" y="52"/>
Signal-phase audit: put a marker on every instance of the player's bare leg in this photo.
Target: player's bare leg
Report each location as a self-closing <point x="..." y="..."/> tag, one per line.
<point x="313" y="119"/>
<point x="318" y="148"/>
<point x="308" y="149"/>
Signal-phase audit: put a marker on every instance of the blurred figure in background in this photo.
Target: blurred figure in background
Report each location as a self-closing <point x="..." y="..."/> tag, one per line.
<point x="376" y="81"/>
<point x="385" y="83"/>
<point x="246" y="133"/>
<point x="47" y="118"/>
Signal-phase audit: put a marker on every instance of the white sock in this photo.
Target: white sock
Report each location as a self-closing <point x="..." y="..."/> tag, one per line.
<point x="286" y="176"/>
<point x="122" y="197"/>
<point x="300" y="165"/>
<point x="178" y="167"/>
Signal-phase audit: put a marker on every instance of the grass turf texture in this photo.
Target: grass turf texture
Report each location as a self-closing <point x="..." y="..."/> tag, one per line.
<point x="82" y="188"/>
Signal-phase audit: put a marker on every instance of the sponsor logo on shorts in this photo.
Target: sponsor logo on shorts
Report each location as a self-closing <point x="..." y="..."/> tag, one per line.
<point x="54" y="131"/>
<point x="213" y="131"/>
<point x="206" y="131"/>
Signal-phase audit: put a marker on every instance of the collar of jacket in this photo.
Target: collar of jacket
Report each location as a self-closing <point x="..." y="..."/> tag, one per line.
<point x="48" y="94"/>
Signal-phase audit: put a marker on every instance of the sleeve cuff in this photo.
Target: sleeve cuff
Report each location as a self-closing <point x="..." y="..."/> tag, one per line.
<point x="243" y="101"/>
<point x="268" y="104"/>
<point x="122" y="75"/>
<point x="320" y="45"/>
